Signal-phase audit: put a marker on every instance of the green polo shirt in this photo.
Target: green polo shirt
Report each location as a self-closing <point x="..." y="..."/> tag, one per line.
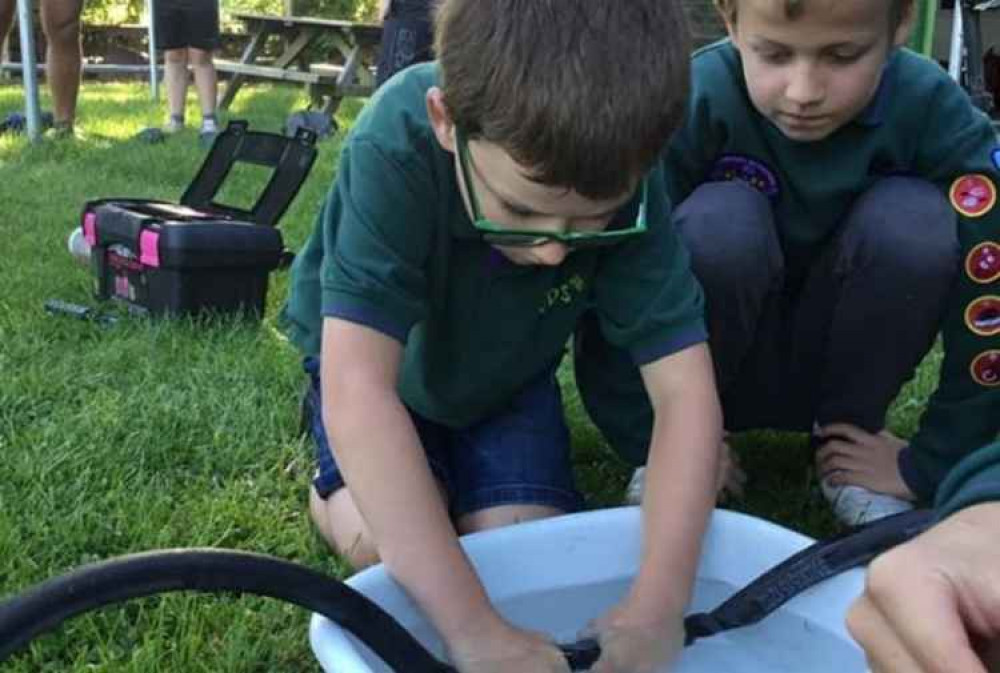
<point x="976" y="479"/>
<point x="919" y="123"/>
<point x="394" y="249"/>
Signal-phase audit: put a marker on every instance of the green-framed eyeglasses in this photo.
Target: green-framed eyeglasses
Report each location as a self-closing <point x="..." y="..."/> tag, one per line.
<point x="493" y="232"/>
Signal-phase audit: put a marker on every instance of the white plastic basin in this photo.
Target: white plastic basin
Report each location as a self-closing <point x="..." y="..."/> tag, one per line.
<point x="557" y="574"/>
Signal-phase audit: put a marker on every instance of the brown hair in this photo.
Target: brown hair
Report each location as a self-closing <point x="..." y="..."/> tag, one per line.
<point x="794" y="9"/>
<point x="585" y="93"/>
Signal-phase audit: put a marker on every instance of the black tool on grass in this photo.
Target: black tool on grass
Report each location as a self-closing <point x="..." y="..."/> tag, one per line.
<point x="45" y="606"/>
<point x="78" y="311"/>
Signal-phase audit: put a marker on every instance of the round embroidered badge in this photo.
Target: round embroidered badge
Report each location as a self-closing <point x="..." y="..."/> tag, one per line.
<point x="752" y="171"/>
<point x="986" y="369"/>
<point x="983" y="316"/>
<point x="973" y="195"/>
<point x="983" y="263"/>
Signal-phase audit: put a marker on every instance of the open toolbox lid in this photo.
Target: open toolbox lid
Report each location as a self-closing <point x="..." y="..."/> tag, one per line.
<point x="291" y="157"/>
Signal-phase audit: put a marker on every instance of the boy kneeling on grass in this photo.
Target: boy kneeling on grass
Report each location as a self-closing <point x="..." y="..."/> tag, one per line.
<point x="838" y="194"/>
<point x="483" y="203"/>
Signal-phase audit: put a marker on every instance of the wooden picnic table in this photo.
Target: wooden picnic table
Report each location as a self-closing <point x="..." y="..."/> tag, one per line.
<point x="346" y="70"/>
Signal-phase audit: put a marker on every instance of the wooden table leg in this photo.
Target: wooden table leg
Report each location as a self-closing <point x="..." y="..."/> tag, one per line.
<point x="296" y="47"/>
<point x="250" y="54"/>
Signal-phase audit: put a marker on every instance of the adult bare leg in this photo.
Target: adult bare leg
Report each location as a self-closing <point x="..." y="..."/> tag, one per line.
<point x="175" y="75"/>
<point x="205" y="80"/>
<point x="6" y="17"/>
<point x="64" y="56"/>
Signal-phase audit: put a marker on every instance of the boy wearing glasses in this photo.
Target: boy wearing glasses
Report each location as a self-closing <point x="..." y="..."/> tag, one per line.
<point x="482" y="204"/>
<point x="820" y="173"/>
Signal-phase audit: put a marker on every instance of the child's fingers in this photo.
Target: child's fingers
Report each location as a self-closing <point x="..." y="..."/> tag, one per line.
<point x="839" y="464"/>
<point x="837" y="453"/>
<point x="844" y="430"/>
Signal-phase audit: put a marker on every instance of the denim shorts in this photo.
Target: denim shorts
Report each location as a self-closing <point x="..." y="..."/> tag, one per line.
<point x="519" y="456"/>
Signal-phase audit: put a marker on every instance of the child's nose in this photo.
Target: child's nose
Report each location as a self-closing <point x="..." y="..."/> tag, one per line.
<point x="805" y="86"/>
<point x="551" y="254"/>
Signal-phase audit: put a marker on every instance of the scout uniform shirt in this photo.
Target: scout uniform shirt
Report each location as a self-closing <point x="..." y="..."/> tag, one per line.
<point x="976" y="479"/>
<point x="394" y="249"/>
<point x="919" y="123"/>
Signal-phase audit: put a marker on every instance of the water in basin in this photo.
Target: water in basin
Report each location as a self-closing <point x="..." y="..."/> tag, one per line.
<point x="576" y="569"/>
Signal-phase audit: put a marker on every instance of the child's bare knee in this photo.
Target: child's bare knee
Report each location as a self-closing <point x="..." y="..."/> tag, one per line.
<point x="179" y="56"/>
<point x="360" y="553"/>
<point x="199" y="57"/>
<point x="342" y="528"/>
<point x="503" y="515"/>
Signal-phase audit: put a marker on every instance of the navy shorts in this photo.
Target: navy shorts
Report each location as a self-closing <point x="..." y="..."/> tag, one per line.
<point x="187" y="23"/>
<point x="520" y="456"/>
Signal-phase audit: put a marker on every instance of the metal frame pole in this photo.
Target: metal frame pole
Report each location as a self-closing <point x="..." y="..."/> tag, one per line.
<point x="956" y="48"/>
<point x="154" y="80"/>
<point x="28" y="71"/>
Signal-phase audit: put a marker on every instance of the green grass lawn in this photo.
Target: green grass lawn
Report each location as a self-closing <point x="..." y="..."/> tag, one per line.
<point x="162" y="434"/>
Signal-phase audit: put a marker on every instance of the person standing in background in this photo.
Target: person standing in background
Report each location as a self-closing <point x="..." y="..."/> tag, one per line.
<point x="407" y="36"/>
<point x="63" y="57"/>
<point x="188" y="32"/>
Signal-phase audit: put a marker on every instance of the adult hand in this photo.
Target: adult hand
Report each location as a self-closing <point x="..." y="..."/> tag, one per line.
<point x="852" y="456"/>
<point x="635" y="646"/>
<point x="511" y="650"/>
<point x="932" y="605"/>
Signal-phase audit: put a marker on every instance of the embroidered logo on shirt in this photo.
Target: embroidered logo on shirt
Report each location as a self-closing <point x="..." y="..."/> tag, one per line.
<point x="983" y="316"/>
<point x="752" y="171"/>
<point x="973" y="195"/>
<point x="986" y="369"/>
<point x="995" y="156"/>
<point x="983" y="263"/>
<point x="563" y="294"/>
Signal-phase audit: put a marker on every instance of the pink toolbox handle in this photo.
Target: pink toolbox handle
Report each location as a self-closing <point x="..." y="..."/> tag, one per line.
<point x="149" y="247"/>
<point x="90" y="228"/>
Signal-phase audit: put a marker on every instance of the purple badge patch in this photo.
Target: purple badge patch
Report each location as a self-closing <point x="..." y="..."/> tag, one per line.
<point x="755" y="173"/>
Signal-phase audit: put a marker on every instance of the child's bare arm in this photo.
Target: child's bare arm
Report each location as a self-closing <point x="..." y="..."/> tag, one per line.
<point x="679" y="496"/>
<point x="681" y="474"/>
<point x="380" y="455"/>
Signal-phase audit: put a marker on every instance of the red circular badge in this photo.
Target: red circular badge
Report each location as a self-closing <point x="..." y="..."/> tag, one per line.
<point x="986" y="369"/>
<point x="983" y="316"/>
<point x="973" y="195"/>
<point x="983" y="262"/>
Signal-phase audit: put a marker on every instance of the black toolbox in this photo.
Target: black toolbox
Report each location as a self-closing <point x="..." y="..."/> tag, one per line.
<point x="198" y="256"/>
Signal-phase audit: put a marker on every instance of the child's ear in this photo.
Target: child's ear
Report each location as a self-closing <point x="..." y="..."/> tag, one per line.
<point x="902" y="33"/>
<point x="437" y="112"/>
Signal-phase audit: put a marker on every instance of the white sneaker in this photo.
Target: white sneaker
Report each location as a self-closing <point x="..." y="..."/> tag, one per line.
<point x="209" y="126"/>
<point x="636" y="485"/>
<point x="78" y="246"/>
<point x="173" y="126"/>
<point x="856" y="505"/>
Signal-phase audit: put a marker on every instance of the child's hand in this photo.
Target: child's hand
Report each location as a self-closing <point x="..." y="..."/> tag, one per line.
<point x="732" y="478"/>
<point x="509" y="650"/>
<point x="849" y="455"/>
<point x="629" y="646"/>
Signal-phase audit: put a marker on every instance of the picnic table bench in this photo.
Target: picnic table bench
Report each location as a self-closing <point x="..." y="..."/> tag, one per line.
<point x="354" y="46"/>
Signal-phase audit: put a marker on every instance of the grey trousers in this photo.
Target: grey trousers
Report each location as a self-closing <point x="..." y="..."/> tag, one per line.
<point x="831" y="342"/>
